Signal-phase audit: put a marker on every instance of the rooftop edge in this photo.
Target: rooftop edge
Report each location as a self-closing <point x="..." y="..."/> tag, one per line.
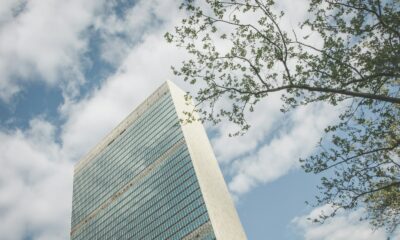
<point x="120" y="128"/>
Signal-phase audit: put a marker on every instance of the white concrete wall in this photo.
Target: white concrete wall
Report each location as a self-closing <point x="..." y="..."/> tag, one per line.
<point x="221" y="209"/>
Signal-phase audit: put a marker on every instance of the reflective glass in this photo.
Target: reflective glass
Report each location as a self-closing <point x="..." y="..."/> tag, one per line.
<point x="142" y="185"/>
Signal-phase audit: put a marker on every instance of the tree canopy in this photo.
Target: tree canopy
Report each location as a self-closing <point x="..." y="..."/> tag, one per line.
<point x="240" y="52"/>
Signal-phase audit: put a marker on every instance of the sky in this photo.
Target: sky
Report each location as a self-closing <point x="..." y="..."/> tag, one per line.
<point x="72" y="70"/>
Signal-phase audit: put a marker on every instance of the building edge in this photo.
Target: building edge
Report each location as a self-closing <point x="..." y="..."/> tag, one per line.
<point x="121" y="127"/>
<point x="221" y="209"/>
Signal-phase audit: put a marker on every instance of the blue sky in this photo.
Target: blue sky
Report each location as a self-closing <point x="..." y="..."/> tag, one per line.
<point x="71" y="70"/>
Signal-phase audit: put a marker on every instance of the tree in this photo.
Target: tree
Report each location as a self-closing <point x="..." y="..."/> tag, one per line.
<point x="241" y="53"/>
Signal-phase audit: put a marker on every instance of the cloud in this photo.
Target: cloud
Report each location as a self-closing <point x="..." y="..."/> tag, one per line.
<point x="10" y="8"/>
<point x="146" y="66"/>
<point x="42" y="41"/>
<point x="275" y="144"/>
<point x="35" y="184"/>
<point x="119" y="33"/>
<point x="228" y="149"/>
<point x="342" y="227"/>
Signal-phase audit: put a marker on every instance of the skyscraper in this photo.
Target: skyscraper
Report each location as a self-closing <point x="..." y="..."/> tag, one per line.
<point x="153" y="177"/>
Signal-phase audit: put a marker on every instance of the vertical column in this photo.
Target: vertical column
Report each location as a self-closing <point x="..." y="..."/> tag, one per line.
<point x="220" y="207"/>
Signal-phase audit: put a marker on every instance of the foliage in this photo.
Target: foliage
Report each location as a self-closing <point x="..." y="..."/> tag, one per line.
<point x="240" y="53"/>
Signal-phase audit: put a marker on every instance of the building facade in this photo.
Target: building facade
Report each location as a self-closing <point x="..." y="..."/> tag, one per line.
<point x="153" y="177"/>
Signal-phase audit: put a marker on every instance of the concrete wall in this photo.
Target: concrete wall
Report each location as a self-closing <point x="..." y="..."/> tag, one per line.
<point x="221" y="209"/>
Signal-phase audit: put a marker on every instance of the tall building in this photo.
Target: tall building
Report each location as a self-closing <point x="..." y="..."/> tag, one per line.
<point x="153" y="177"/>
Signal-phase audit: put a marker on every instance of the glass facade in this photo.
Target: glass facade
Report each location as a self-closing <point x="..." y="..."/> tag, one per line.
<point x="142" y="185"/>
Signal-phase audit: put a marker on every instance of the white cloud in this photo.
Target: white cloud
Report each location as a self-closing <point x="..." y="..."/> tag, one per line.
<point x="146" y="66"/>
<point x="228" y="149"/>
<point x="120" y="33"/>
<point x="342" y="227"/>
<point x="9" y="8"/>
<point x="43" y="43"/>
<point x="35" y="184"/>
<point x="268" y="159"/>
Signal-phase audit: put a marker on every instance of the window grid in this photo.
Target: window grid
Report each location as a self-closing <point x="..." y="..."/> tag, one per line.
<point x="166" y="203"/>
<point x="176" y="178"/>
<point x="126" y="137"/>
<point x="92" y="197"/>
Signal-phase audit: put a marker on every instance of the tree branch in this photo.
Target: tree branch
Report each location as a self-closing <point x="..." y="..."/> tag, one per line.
<point x="377" y="15"/>
<point x="359" y="155"/>
<point x="251" y="65"/>
<point x="214" y="20"/>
